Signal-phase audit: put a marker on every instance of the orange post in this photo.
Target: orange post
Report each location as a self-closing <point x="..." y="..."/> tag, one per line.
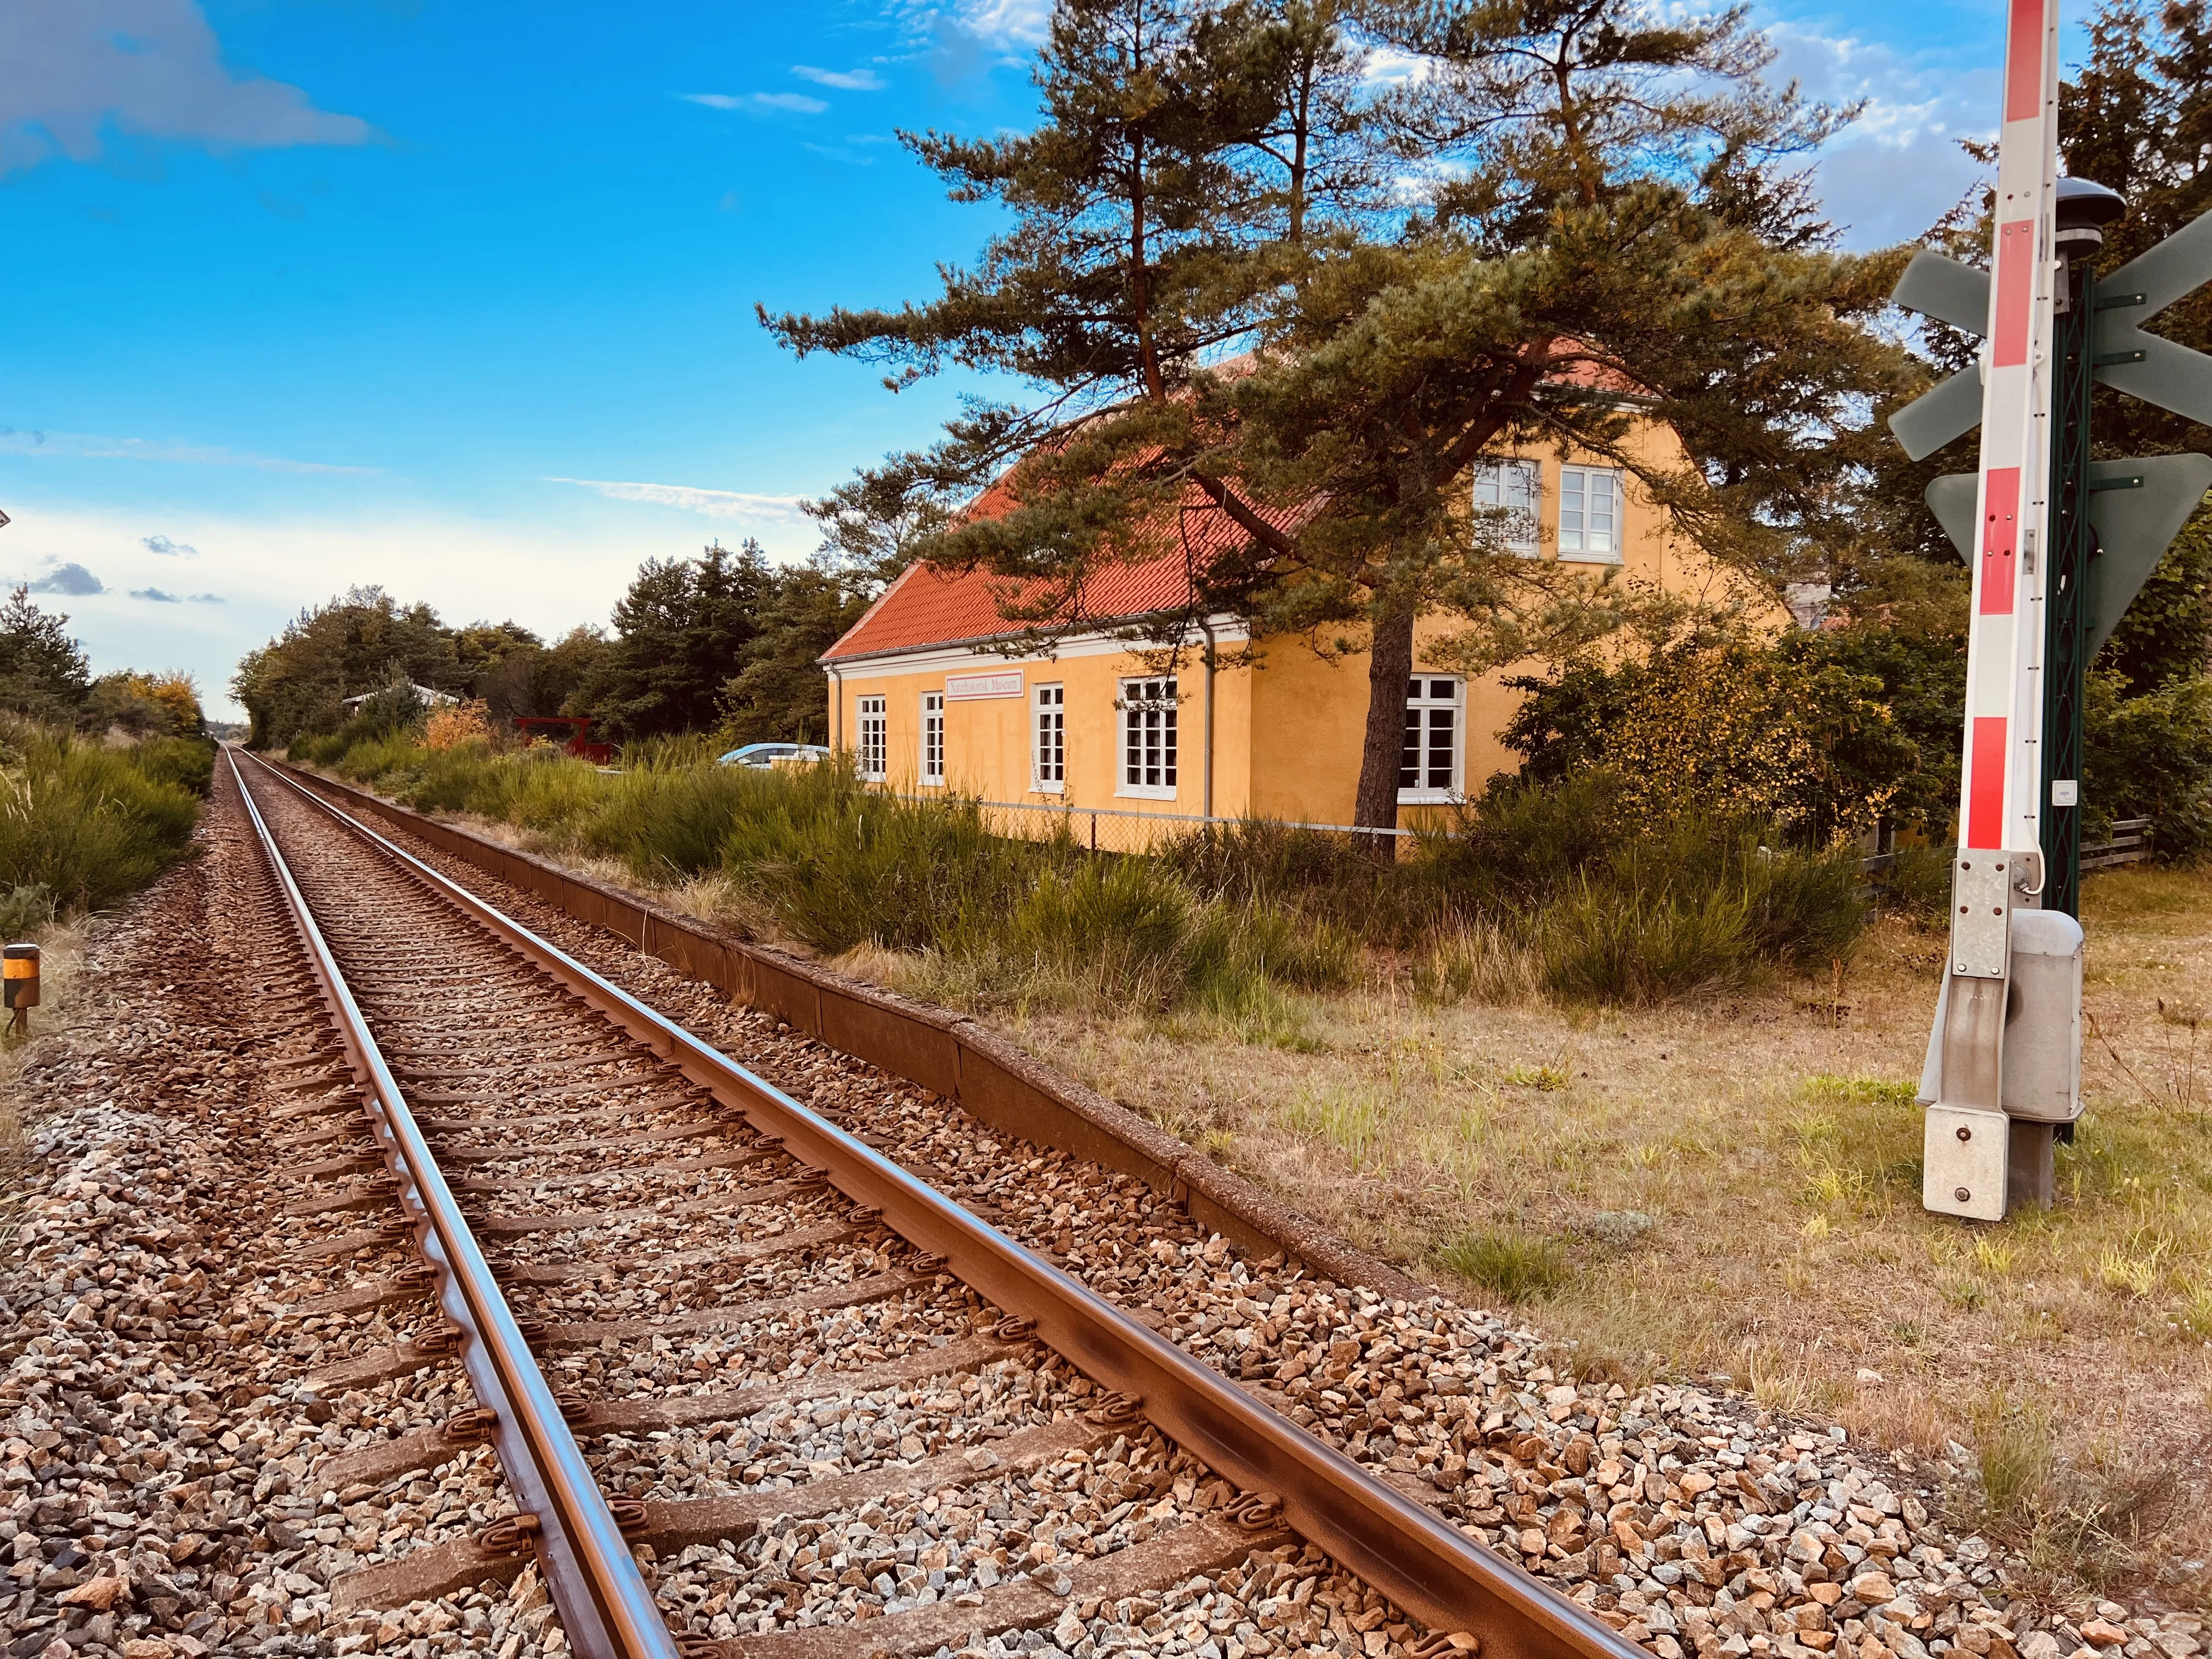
<point x="19" y="988"/>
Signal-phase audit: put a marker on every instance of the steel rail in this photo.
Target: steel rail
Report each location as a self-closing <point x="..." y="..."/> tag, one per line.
<point x="607" y="1608"/>
<point x="1421" y="1562"/>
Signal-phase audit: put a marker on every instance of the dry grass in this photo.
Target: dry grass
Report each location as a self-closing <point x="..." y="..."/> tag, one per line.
<point x="61" y="983"/>
<point x="1733" y="1189"/>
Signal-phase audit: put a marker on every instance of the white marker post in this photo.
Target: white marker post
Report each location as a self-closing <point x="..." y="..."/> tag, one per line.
<point x="1999" y="861"/>
<point x="2058" y="545"/>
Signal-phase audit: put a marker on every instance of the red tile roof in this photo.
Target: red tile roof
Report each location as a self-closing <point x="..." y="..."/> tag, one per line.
<point x="929" y="606"/>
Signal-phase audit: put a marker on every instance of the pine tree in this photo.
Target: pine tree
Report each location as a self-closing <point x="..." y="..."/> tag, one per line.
<point x="43" y="671"/>
<point x="680" y="632"/>
<point x="775" y="696"/>
<point x="1609" y="232"/>
<point x="1142" y="204"/>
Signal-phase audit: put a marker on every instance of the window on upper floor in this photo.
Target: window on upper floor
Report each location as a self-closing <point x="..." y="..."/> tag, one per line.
<point x="1512" y="490"/>
<point x="1148" y="738"/>
<point x="1429" y="768"/>
<point x="1589" y="513"/>
<point x="874" y="748"/>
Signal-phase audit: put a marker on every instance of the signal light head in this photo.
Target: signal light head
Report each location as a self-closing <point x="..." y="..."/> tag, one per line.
<point x="2085" y="208"/>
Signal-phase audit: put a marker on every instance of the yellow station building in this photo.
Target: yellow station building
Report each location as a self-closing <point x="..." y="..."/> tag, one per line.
<point x="923" y="695"/>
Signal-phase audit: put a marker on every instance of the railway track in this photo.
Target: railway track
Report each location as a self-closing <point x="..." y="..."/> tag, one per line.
<point x="751" y="1387"/>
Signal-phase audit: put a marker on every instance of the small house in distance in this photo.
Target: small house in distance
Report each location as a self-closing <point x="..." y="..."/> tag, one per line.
<point x="925" y="695"/>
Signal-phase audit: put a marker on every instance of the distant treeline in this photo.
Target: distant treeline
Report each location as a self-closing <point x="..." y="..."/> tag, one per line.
<point x="726" y="642"/>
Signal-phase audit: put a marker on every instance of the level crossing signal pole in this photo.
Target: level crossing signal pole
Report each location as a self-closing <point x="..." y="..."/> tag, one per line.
<point x="2057" y="544"/>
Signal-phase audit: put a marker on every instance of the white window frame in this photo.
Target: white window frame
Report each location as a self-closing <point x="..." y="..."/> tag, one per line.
<point x="1422" y="702"/>
<point x="1048" y="739"/>
<point x="932" y="739"/>
<point x="1516" y="487"/>
<point x="1579" y="487"/>
<point x="1149" y="740"/>
<point x="872" y="752"/>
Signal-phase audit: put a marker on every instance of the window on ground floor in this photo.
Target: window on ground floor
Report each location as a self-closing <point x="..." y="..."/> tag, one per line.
<point x="932" y="737"/>
<point x="1048" y="731"/>
<point x="874" y="746"/>
<point x="1148" y="738"/>
<point x="1429" y="768"/>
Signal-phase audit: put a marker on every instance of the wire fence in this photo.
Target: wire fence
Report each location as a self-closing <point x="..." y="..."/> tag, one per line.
<point x="1120" y="828"/>
<point x="1132" y="830"/>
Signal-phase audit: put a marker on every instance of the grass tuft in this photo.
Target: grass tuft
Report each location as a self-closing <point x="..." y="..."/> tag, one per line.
<point x="1517" y="1268"/>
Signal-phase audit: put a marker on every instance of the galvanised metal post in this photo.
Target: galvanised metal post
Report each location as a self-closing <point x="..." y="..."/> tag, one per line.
<point x="2083" y="209"/>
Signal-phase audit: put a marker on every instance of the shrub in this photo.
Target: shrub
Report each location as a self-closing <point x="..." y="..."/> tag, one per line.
<point x="1739" y="727"/>
<point x="1917" y="884"/>
<point x="25" y="912"/>
<point x="1560" y="888"/>
<point x="450" y="727"/>
<point x="87" y="823"/>
<point x="188" y="763"/>
<point x="665" y="820"/>
<point x="2150" y="756"/>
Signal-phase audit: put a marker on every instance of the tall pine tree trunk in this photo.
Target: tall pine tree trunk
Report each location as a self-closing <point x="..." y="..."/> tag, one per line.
<point x="1382" y="751"/>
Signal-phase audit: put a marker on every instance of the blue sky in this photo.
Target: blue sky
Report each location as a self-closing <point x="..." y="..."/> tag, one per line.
<point x="458" y="298"/>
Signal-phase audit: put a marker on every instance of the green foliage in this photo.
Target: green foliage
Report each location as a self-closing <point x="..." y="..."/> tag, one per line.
<point x="1600" y="901"/>
<point x="1592" y="905"/>
<point x="2150" y="756"/>
<point x="187" y="762"/>
<point x="1917" y="883"/>
<point x="1700" y="908"/>
<point x="776" y="694"/>
<point x="389" y="713"/>
<point x="143" y="705"/>
<point x="1920" y="672"/>
<point x="680" y="632"/>
<point x="1743" y="727"/>
<point x="2166" y="635"/>
<point x="1516" y="1267"/>
<point x="43" y="671"/>
<point x="356" y="642"/>
<point x="527" y="679"/>
<point x="726" y="638"/>
<point x="26" y="912"/>
<point x="88" y="824"/>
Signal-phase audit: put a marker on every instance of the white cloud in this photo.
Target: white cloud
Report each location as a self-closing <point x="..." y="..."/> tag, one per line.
<point x="796" y="103"/>
<point x="166" y="547"/>
<point x="1899" y="168"/>
<point x="86" y="445"/>
<point x="155" y="594"/>
<point x="1006" y="22"/>
<point x="714" y="503"/>
<point x="860" y="80"/>
<point x="150" y="67"/>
